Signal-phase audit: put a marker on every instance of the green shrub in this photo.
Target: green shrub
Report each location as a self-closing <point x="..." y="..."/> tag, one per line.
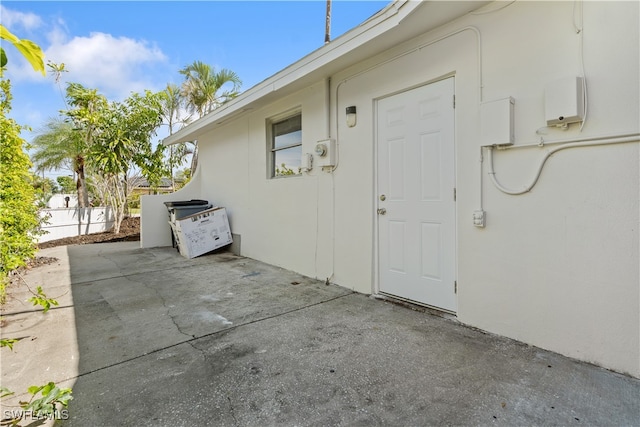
<point x="19" y="220"/>
<point x="134" y="201"/>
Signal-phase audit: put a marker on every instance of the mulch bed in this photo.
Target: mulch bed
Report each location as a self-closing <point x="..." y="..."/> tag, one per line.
<point x="129" y="232"/>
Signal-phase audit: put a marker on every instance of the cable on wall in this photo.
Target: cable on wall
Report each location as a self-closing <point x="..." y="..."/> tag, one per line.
<point x="570" y="143"/>
<point x="579" y="29"/>
<point x="578" y="26"/>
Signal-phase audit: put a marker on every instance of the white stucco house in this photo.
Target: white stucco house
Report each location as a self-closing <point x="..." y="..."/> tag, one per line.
<point x="480" y="158"/>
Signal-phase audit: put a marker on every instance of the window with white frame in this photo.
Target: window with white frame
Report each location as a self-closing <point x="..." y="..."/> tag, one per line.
<point x="286" y="146"/>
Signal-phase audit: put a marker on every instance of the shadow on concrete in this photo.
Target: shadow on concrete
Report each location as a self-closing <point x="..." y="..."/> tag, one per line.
<point x="226" y="341"/>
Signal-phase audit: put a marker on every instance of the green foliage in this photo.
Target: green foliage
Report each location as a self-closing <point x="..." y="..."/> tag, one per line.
<point x="19" y="219"/>
<point x="122" y="143"/>
<point x="134" y="201"/>
<point x="8" y="342"/>
<point x="43" y="407"/>
<point x="44" y="185"/>
<point x="20" y="222"/>
<point x="87" y="110"/>
<point x="61" y="146"/>
<point x="41" y="299"/>
<point x="66" y="183"/>
<point x="44" y="188"/>
<point x="50" y="395"/>
<point x="57" y="70"/>
<point x="283" y="170"/>
<point x="182" y="178"/>
<point x="4" y="392"/>
<point x="57" y="146"/>
<point x="27" y="48"/>
<point x="205" y="89"/>
<point x="39" y="408"/>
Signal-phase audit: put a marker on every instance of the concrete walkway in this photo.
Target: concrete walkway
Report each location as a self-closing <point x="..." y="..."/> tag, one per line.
<point x="148" y="338"/>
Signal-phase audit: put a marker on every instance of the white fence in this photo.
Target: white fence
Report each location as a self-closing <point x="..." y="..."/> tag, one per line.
<point x="69" y="222"/>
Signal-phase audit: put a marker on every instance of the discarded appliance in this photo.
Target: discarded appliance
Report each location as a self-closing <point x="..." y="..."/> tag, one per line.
<point x="181" y="208"/>
<point x="202" y="232"/>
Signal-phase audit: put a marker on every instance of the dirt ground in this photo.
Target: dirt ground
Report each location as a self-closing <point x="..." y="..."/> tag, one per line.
<point x="129" y="231"/>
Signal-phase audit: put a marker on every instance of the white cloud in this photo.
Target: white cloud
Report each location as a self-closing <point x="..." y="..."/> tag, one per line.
<point x="115" y="66"/>
<point x="21" y="25"/>
<point x="12" y="19"/>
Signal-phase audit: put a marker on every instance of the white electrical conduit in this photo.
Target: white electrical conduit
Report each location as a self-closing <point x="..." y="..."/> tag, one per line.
<point x="582" y="142"/>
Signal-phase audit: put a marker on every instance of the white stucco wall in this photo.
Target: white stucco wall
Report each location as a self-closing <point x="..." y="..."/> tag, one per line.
<point x="58" y="201"/>
<point x="154" y="216"/>
<point x="557" y="267"/>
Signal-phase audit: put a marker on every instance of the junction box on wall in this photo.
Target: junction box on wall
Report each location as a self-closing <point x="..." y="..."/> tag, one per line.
<point x="564" y="101"/>
<point x="496" y="122"/>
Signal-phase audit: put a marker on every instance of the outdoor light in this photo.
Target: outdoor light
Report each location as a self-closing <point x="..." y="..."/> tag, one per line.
<point x="351" y="116"/>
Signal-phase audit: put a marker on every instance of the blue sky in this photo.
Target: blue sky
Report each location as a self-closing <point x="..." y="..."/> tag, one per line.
<point x="122" y="46"/>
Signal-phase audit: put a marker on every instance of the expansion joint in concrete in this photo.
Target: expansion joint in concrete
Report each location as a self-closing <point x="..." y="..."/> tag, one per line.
<point x="192" y="339"/>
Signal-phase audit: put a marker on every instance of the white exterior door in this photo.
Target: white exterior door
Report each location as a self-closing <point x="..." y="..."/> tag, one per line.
<point x="416" y="195"/>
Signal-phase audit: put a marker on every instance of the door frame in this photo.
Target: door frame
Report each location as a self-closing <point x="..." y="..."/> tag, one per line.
<point x="375" y="287"/>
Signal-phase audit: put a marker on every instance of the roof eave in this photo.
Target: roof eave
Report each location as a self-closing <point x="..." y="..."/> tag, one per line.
<point x="344" y="46"/>
<point x="315" y="60"/>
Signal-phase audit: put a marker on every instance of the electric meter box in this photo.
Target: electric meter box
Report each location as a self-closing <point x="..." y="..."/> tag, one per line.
<point x="564" y="101"/>
<point x="325" y="151"/>
<point x="496" y="122"/>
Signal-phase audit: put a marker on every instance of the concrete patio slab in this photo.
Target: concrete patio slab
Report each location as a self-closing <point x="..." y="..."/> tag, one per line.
<point x="149" y="338"/>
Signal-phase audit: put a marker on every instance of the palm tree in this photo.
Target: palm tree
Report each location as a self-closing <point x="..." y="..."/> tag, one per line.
<point x="204" y="90"/>
<point x="202" y="85"/>
<point x="172" y="103"/>
<point x="61" y="146"/>
<point x="66" y="143"/>
<point x="87" y="105"/>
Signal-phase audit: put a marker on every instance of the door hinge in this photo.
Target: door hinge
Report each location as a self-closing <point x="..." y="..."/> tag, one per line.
<point x="454" y="194"/>
<point x="454" y="101"/>
<point x="455" y="286"/>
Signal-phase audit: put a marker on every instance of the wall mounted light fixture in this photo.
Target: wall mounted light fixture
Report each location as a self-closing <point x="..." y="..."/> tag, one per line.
<point x="351" y="116"/>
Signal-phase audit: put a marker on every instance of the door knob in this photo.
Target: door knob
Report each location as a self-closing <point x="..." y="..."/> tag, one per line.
<point x="382" y="211"/>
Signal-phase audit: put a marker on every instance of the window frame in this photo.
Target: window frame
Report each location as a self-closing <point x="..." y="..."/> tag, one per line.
<point x="271" y="142"/>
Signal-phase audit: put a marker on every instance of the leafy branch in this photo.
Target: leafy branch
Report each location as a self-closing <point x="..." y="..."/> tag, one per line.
<point x="8" y="342"/>
<point x="44" y="406"/>
<point x="39" y="297"/>
<point x="50" y="395"/>
<point x="27" y="48"/>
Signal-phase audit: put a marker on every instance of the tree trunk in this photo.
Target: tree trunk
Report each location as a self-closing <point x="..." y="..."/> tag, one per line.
<point x="171" y="160"/>
<point x="125" y="185"/>
<point x="117" y="201"/>
<point x="194" y="158"/>
<point x="81" y="185"/>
